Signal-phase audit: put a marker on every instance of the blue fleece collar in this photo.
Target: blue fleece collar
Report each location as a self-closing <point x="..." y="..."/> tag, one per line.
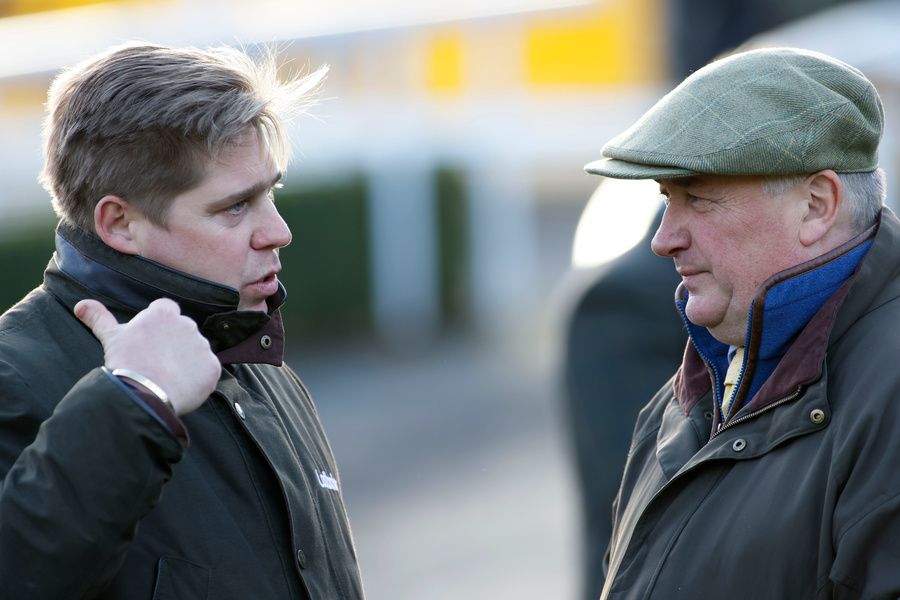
<point x="787" y="306"/>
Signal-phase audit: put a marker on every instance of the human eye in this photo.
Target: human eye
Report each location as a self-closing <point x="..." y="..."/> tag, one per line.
<point x="237" y="208"/>
<point x="271" y="193"/>
<point x="699" y="204"/>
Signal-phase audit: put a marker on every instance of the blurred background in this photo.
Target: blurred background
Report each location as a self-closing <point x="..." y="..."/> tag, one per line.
<point x="444" y="232"/>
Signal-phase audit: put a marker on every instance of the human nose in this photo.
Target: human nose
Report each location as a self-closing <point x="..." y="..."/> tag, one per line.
<point x="671" y="237"/>
<point x="272" y="231"/>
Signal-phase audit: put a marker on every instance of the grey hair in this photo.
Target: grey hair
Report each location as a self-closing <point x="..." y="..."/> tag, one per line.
<point x="864" y="194"/>
<point x="142" y="122"/>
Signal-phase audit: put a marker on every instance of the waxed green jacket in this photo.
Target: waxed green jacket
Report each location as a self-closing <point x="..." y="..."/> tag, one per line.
<point x="797" y="495"/>
<point x="101" y="498"/>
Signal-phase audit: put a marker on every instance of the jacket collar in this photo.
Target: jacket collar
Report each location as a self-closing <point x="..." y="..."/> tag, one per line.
<point x="798" y="307"/>
<point x="85" y="267"/>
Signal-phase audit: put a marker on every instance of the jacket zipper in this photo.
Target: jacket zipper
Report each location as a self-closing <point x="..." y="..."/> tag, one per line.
<point x="792" y="396"/>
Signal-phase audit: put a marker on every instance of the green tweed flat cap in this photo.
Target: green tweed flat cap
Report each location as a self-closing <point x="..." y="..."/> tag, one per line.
<point x="774" y="111"/>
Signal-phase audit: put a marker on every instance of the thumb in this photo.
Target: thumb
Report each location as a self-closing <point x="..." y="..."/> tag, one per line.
<point x="98" y="319"/>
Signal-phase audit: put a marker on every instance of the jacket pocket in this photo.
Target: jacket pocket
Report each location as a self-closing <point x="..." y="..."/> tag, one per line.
<point x="179" y="579"/>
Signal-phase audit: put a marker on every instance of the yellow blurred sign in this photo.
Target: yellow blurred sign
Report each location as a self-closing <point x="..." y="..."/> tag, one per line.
<point x="617" y="41"/>
<point x="21" y="7"/>
<point x="607" y="42"/>
<point x="445" y="62"/>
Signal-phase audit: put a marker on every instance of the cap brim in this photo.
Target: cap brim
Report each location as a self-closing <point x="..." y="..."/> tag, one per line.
<point x="620" y="169"/>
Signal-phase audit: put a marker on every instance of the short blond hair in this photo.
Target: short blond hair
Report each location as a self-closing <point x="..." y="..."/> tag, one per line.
<point x="142" y="121"/>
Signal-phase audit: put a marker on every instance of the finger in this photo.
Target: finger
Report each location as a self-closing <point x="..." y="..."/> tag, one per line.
<point x="165" y="306"/>
<point x="98" y="319"/>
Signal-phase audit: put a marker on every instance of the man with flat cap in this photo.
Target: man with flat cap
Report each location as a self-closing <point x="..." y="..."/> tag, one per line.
<point x="767" y="467"/>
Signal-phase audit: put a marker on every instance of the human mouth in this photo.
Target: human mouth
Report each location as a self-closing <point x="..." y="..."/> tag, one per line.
<point x="689" y="275"/>
<point x="265" y="286"/>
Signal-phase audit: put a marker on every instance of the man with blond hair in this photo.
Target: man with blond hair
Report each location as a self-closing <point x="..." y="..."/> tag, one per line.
<point x="152" y="443"/>
<point x="767" y="466"/>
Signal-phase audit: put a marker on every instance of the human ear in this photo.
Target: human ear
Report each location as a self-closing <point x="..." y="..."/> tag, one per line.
<point x="824" y="198"/>
<point x="113" y="219"/>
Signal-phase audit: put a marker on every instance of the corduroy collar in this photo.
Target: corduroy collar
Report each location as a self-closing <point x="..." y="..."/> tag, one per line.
<point x="127" y="284"/>
<point x="796" y="300"/>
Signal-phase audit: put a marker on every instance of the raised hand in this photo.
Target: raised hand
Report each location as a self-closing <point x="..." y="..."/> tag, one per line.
<point x="162" y="345"/>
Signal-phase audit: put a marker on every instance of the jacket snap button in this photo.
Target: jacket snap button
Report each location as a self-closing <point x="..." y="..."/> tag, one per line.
<point x="301" y="558"/>
<point x="708" y="415"/>
<point x="738" y="445"/>
<point x="817" y="416"/>
<point x="266" y="342"/>
<point x="225" y="325"/>
<point x="239" y="411"/>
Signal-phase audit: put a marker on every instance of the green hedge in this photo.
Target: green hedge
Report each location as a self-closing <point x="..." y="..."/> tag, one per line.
<point x="24" y="254"/>
<point x="326" y="269"/>
<point x="453" y="245"/>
